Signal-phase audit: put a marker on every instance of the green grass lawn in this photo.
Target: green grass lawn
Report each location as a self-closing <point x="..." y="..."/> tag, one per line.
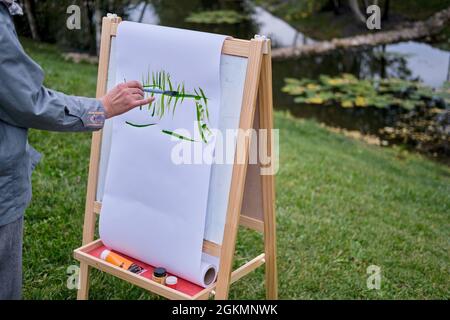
<point x="342" y="205"/>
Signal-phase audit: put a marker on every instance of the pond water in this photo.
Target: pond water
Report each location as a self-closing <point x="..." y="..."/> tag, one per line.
<point x="409" y="60"/>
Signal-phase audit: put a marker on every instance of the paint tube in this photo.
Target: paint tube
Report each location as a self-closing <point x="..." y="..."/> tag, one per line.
<point x="120" y="261"/>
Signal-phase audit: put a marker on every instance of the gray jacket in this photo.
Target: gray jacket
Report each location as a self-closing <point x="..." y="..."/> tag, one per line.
<point x="26" y="103"/>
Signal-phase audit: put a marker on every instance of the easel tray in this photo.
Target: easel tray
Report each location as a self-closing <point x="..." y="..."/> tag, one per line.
<point x="185" y="290"/>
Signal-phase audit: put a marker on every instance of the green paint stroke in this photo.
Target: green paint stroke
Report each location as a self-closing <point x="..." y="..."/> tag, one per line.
<point x="139" y="125"/>
<point x="167" y="103"/>
<point x="176" y="135"/>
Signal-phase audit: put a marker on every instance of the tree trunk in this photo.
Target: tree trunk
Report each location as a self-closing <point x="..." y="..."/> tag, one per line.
<point x="144" y="7"/>
<point x="91" y="31"/>
<point x="31" y="20"/>
<point x="354" y="5"/>
<point x="420" y="29"/>
<point x="360" y="15"/>
<point x="336" y="6"/>
<point x="98" y="25"/>
<point x="386" y="10"/>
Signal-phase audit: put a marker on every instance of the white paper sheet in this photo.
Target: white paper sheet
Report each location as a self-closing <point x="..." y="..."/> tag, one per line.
<point x="154" y="210"/>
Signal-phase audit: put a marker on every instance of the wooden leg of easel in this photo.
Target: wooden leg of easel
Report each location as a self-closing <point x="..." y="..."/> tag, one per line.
<point x="267" y="179"/>
<point x="83" y="282"/>
<point x="239" y="171"/>
<point x="88" y="236"/>
<point x="270" y="250"/>
<point x="90" y="217"/>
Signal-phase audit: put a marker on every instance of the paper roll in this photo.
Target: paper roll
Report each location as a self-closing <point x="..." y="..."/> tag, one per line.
<point x="209" y="273"/>
<point x="209" y="267"/>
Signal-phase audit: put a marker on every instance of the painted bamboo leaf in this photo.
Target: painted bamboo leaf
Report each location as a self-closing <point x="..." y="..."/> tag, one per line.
<point x="170" y="83"/>
<point x="182" y="93"/>
<point x="161" y="80"/>
<point x="179" y="136"/>
<point x="199" y="122"/>
<point x="139" y="125"/>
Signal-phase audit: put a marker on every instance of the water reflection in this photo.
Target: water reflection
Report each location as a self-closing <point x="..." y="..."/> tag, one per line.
<point x="278" y="30"/>
<point x="142" y="12"/>
<point x="428" y="64"/>
<point x="409" y="60"/>
<point x="174" y="14"/>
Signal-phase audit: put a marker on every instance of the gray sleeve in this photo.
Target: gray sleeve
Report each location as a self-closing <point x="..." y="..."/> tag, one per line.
<point x="25" y="102"/>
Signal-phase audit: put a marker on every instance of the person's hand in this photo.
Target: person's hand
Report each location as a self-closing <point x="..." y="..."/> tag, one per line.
<point x="124" y="97"/>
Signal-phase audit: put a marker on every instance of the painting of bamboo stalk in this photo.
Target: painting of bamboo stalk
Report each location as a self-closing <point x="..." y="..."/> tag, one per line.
<point x="170" y="96"/>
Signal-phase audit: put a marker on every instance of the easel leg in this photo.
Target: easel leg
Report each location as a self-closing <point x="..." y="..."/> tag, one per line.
<point x="88" y="236"/>
<point x="268" y="181"/>
<point x="239" y="172"/>
<point x="271" y="255"/>
<point x="83" y="278"/>
<point x="90" y="217"/>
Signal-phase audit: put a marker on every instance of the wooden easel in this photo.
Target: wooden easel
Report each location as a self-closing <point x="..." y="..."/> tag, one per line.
<point x="251" y="198"/>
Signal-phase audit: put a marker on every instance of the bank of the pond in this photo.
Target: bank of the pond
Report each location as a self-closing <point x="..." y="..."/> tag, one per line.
<point x="342" y="205"/>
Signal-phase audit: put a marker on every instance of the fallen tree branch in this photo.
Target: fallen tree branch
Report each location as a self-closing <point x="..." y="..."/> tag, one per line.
<point x="420" y="29"/>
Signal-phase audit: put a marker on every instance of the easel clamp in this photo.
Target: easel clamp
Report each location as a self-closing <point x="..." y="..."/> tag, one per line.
<point x="266" y="42"/>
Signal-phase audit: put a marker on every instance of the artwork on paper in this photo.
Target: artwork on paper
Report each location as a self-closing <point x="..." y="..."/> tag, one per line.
<point x="170" y="95"/>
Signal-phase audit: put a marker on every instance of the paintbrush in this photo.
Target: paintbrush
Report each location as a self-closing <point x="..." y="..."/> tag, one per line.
<point x="159" y="91"/>
<point x="171" y="93"/>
